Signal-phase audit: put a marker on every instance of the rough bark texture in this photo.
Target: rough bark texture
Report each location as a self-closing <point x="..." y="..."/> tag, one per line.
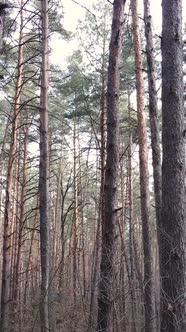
<point x="9" y="185"/>
<point x="106" y="298"/>
<point x="144" y="175"/>
<point x="44" y="173"/>
<point x="172" y="255"/>
<point x="153" y="112"/>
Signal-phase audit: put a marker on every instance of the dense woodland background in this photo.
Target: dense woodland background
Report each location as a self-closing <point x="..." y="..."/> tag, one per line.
<point x="92" y="168"/>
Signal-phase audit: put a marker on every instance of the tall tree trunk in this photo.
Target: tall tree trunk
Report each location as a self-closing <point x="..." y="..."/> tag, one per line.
<point x="144" y="175"/>
<point x="19" y="221"/>
<point x="29" y="261"/>
<point x="75" y="213"/>
<point x="103" y="134"/>
<point x="101" y="216"/>
<point x="106" y="291"/>
<point x="154" y="120"/>
<point x="131" y="224"/>
<point x="2" y="154"/>
<point x="9" y="181"/>
<point x="172" y="244"/>
<point x="153" y="112"/>
<point x="44" y="173"/>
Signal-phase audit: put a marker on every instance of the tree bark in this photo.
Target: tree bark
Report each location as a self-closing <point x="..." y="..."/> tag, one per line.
<point x="106" y="294"/>
<point x="172" y="244"/>
<point x="131" y="225"/>
<point x="44" y="173"/>
<point x="20" y="222"/>
<point x="75" y="211"/>
<point x="153" y="112"/>
<point x="9" y="182"/>
<point x="144" y="174"/>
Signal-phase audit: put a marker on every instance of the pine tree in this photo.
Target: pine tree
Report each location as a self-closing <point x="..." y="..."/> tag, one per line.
<point x="106" y="284"/>
<point x="44" y="173"/>
<point x="172" y="242"/>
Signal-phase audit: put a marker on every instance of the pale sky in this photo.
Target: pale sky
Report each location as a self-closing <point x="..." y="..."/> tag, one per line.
<point x="73" y="12"/>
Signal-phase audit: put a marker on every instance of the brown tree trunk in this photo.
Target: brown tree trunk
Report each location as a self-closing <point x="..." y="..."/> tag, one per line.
<point x="44" y="173"/>
<point x="2" y="154"/>
<point x="7" y="211"/>
<point x="154" y="120"/>
<point x="20" y="221"/>
<point x="144" y="175"/>
<point x="103" y="135"/>
<point x="101" y="216"/>
<point x="75" y="213"/>
<point x="153" y="112"/>
<point x="28" y="265"/>
<point x="131" y="225"/>
<point x="172" y="243"/>
<point x="106" y="291"/>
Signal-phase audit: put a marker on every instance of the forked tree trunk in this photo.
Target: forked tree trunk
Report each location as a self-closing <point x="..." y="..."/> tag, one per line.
<point x="144" y="175"/>
<point x="172" y="242"/>
<point x="44" y="173"/>
<point x="106" y="287"/>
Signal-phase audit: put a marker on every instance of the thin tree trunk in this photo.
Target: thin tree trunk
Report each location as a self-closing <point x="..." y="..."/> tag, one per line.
<point x="7" y="211"/>
<point x="103" y="135"/>
<point x="154" y="120"/>
<point x="106" y="291"/>
<point x="153" y="112"/>
<point x="131" y="224"/>
<point x="123" y="319"/>
<point x="144" y="175"/>
<point x="172" y="243"/>
<point x="95" y="259"/>
<point x="102" y="191"/>
<point x="44" y="173"/>
<point x="2" y="154"/>
<point x="20" y="222"/>
<point x="62" y="263"/>
<point x="28" y="265"/>
<point x="75" y="215"/>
